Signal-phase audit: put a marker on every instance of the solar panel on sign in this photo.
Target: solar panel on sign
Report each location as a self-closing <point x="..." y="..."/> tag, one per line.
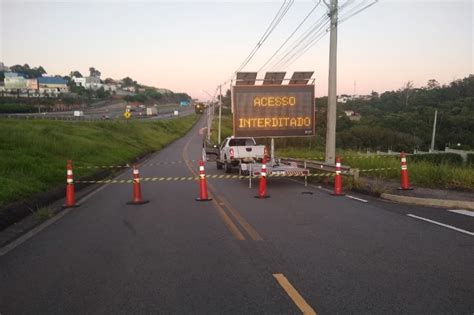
<point x="246" y="78"/>
<point x="274" y="78"/>
<point x="301" y="77"/>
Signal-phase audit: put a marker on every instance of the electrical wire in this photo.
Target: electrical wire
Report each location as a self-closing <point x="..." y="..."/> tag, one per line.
<point x="309" y="33"/>
<point x="289" y="60"/>
<point x="291" y="35"/>
<point x="310" y="43"/>
<point x="276" y="20"/>
<point x="345" y="18"/>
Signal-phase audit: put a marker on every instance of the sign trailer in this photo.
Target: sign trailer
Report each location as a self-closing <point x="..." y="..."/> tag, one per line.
<point x="273" y="110"/>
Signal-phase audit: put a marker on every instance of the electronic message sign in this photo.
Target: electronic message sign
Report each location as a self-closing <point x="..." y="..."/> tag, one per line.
<point x="273" y="111"/>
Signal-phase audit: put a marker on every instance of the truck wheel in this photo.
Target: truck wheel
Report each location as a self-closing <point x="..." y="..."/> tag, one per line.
<point x="227" y="167"/>
<point x="219" y="165"/>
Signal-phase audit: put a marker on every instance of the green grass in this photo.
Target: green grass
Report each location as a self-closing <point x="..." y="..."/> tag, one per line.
<point x="33" y="154"/>
<point x="44" y="213"/>
<point x="422" y="173"/>
<point x="226" y="125"/>
<point x="427" y="171"/>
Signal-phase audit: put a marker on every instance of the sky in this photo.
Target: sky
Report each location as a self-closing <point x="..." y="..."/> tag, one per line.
<point x="193" y="46"/>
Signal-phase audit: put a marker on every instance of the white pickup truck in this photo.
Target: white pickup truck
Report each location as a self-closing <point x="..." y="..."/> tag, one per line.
<point x="235" y="151"/>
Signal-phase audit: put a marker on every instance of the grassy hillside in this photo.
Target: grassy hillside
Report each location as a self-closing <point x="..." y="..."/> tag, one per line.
<point x="33" y="154"/>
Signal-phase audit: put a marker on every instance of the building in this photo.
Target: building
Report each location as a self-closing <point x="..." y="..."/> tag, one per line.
<point x="353" y="116"/>
<point x="3" y="67"/>
<point x="79" y="81"/>
<point x="89" y="83"/>
<point x="31" y="84"/>
<point x="345" y="98"/>
<point x="14" y="81"/>
<point x="110" y="87"/>
<point x="52" y="86"/>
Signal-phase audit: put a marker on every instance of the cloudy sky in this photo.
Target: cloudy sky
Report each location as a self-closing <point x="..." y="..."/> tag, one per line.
<point x="189" y="46"/>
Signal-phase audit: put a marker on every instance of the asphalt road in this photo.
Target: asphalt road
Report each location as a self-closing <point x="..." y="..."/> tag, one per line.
<point x="112" y="111"/>
<point x="237" y="254"/>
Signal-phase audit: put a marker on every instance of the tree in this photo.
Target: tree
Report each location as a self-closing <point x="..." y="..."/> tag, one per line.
<point x="432" y="84"/>
<point x="407" y="89"/>
<point x="76" y="74"/>
<point x="94" y="72"/>
<point x="127" y="81"/>
<point x="101" y="93"/>
<point x="28" y="72"/>
<point x="41" y="70"/>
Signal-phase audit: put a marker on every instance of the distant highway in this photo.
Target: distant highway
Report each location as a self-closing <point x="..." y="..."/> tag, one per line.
<point x="112" y="111"/>
<point x="300" y="251"/>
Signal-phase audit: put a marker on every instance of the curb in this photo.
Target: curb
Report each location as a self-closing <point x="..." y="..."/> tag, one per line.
<point x="444" y="203"/>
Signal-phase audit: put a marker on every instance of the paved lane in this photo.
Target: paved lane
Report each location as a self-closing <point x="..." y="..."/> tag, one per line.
<point x="237" y="254"/>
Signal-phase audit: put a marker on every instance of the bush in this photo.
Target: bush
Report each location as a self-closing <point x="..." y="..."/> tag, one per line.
<point x="470" y="159"/>
<point x="441" y="158"/>
<point x="17" y="108"/>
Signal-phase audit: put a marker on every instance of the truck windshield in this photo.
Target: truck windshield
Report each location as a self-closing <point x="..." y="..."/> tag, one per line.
<point x="241" y="142"/>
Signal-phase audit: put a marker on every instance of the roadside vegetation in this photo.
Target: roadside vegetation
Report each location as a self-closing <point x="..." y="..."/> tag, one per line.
<point x="444" y="170"/>
<point x="439" y="173"/>
<point x="33" y="154"/>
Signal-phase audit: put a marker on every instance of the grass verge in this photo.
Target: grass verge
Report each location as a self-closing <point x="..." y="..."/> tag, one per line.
<point x="422" y="173"/>
<point x="33" y="154"/>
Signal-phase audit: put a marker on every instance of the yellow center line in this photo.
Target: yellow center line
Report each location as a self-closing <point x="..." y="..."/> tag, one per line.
<point x="225" y="218"/>
<point x="293" y="294"/>
<point x="244" y="223"/>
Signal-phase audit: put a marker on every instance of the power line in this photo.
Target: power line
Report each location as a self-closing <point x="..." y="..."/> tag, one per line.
<point x="297" y="42"/>
<point x="289" y="60"/>
<point x="345" y="18"/>
<point x="310" y="44"/>
<point x="309" y="33"/>
<point x="276" y="20"/>
<point x="291" y="35"/>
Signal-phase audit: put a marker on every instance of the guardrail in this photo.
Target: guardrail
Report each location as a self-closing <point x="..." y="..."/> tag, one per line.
<point x="322" y="166"/>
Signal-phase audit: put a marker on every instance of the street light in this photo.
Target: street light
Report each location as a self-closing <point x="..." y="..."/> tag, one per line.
<point x="209" y="118"/>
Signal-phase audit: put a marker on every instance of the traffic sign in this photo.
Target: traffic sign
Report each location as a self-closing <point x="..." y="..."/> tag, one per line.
<point x="127" y="115"/>
<point x="273" y="110"/>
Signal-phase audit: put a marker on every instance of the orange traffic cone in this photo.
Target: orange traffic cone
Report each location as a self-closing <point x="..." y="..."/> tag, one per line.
<point x="70" y="200"/>
<point x="338" y="179"/>
<point x="262" y="187"/>
<point x="137" y="192"/>
<point x="203" y="196"/>
<point x="404" y="180"/>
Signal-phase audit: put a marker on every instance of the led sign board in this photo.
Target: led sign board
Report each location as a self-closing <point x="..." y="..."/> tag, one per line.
<point x="273" y="111"/>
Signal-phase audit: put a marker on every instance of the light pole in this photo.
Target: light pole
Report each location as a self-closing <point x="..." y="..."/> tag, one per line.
<point x="332" y="85"/>
<point x="209" y="118"/>
<point x="220" y="115"/>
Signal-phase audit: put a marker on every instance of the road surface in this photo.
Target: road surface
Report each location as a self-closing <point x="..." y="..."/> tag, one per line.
<point x="111" y="111"/>
<point x="302" y="250"/>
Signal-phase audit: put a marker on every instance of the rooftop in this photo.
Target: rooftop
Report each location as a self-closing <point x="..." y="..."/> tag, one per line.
<point x="51" y="80"/>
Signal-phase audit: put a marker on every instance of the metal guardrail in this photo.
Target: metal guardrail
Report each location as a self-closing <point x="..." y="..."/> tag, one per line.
<point x="322" y="166"/>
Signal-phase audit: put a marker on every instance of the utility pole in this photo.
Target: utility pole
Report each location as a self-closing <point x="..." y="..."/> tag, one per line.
<point x="332" y="86"/>
<point x="220" y="115"/>
<point x="434" y="131"/>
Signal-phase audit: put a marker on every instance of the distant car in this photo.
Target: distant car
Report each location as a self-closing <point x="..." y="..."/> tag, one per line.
<point x="105" y="117"/>
<point x="78" y="113"/>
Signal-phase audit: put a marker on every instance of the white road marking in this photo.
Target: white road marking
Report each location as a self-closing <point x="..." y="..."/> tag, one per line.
<point x="441" y="224"/>
<point x="465" y="212"/>
<point x="355" y="198"/>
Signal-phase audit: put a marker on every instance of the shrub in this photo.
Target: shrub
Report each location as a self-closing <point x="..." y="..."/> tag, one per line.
<point x="441" y="158"/>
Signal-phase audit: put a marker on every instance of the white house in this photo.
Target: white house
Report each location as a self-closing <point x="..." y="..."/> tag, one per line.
<point x="89" y="83"/>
